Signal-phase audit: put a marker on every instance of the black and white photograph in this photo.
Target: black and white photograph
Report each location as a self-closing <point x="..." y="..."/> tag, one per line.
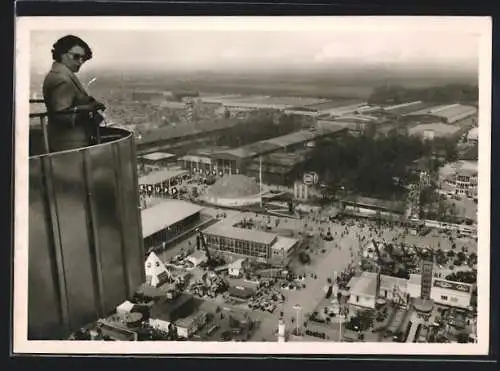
<point x="308" y="185"/>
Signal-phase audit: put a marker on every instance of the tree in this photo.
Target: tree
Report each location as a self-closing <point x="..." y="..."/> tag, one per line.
<point x="472" y="259"/>
<point x="461" y="256"/>
<point x="195" y="192"/>
<point x="463" y="337"/>
<point x="450" y="254"/>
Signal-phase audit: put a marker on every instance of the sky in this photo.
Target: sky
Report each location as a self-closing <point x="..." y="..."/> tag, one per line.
<point x="191" y="50"/>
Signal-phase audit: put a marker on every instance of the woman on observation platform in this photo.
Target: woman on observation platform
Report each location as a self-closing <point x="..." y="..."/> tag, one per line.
<point x="72" y="112"/>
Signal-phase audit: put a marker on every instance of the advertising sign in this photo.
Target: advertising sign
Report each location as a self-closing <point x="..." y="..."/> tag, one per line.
<point x="310" y="178"/>
<point x="457" y="286"/>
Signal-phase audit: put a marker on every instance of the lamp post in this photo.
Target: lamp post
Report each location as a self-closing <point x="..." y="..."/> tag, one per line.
<point x="341" y="321"/>
<point x="297" y="308"/>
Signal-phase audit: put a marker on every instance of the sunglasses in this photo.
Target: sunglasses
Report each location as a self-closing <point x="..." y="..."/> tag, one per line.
<point x="78" y="57"/>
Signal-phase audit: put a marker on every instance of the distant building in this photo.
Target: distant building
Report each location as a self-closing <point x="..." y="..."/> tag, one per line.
<point x="464" y="180"/>
<point x="277" y="168"/>
<point x="456" y="114"/>
<point x="453" y="294"/>
<point x="241" y="292"/>
<point x="189" y="325"/>
<point x="436" y="130"/>
<point x="367" y="206"/>
<point x="166" y="221"/>
<point x="200" y="161"/>
<point x="236" y="160"/>
<point x="167" y="311"/>
<point x="363" y="291"/>
<point x="235" y="269"/>
<point x="158" y="159"/>
<point x="247" y="243"/>
<point x="162" y="178"/>
<point x="125" y="308"/>
<point x="197" y="258"/>
<point x="116" y="332"/>
<point x="234" y="191"/>
<point x="473" y="135"/>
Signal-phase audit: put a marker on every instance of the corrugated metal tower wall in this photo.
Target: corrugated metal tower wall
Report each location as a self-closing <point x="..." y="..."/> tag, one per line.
<point x="86" y="252"/>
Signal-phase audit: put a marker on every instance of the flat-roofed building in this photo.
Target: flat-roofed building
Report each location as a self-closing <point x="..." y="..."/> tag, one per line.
<point x="113" y="331"/>
<point x="473" y="135"/>
<point x="166" y="221"/>
<point x="282" y="250"/>
<point x="162" y="182"/>
<point x="239" y="241"/>
<point x="435" y="130"/>
<point x="188" y="136"/>
<point x="158" y="159"/>
<point x="247" y="243"/>
<point x="278" y="168"/>
<point x="463" y="179"/>
<point x="200" y="161"/>
<point x="363" y="291"/>
<point x="189" y="325"/>
<point x="453" y="294"/>
<point x="456" y="114"/>
<point x="168" y="311"/>
<point x="163" y="176"/>
<point x="236" y="160"/>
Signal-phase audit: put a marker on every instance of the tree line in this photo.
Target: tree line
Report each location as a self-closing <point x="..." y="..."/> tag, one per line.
<point x="368" y="165"/>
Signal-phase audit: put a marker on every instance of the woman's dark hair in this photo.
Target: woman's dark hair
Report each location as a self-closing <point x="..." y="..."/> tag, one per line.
<point x="64" y="44"/>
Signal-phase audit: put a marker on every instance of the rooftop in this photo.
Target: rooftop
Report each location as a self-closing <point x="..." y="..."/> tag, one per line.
<point x="342" y="110"/>
<point x="440" y="129"/>
<point x="284" y="243"/>
<point x="473" y="133"/>
<point x="189" y="321"/>
<point x="184" y="130"/>
<point x="470" y="154"/>
<point x="165" y="214"/>
<point x="415" y="279"/>
<point x="234" y="186"/>
<point x="377" y="203"/>
<point x="196" y="158"/>
<point x="455" y="286"/>
<point x="335" y="103"/>
<point x="449" y="112"/>
<point x="366" y="284"/>
<point x="402" y="105"/>
<point x="227" y="231"/>
<point x="273" y="144"/>
<point x="161" y="176"/>
<point x="155" y="156"/>
<point x="466" y="166"/>
<point x="389" y="282"/>
<point x="407" y="108"/>
<point x="164" y="309"/>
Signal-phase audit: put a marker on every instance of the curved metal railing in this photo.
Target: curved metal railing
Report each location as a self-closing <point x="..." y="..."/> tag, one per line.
<point x="42" y="116"/>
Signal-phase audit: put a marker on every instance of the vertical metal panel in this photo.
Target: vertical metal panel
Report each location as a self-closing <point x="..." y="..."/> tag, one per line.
<point x="131" y="217"/>
<point x="106" y="204"/>
<point x="73" y="218"/>
<point x="43" y="315"/>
